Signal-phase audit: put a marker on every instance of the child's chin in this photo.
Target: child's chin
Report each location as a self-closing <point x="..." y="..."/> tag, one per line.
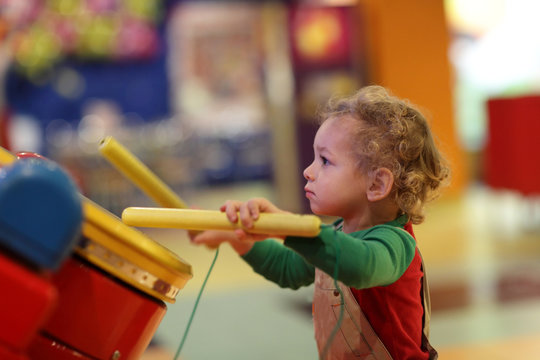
<point x="316" y="210"/>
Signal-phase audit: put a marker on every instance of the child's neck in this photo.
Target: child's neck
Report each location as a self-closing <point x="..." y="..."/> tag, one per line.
<point x="376" y="213"/>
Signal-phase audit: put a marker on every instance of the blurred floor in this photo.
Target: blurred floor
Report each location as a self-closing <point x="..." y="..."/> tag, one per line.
<point x="482" y="252"/>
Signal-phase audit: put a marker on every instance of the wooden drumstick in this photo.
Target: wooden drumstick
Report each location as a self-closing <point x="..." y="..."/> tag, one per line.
<point x="275" y="224"/>
<point x="139" y="174"/>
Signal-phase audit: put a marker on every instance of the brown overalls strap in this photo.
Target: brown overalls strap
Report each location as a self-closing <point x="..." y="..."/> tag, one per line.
<point x="427" y="314"/>
<point x="356" y="338"/>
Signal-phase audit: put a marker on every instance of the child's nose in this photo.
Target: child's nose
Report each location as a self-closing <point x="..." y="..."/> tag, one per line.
<point x="308" y="174"/>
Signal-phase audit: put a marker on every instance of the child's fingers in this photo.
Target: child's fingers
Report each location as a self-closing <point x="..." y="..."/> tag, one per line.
<point x="209" y="244"/>
<point x="253" y="208"/>
<point x="213" y="238"/>
<point x="243" y="236"/>
<point x="240" y="234"/>
<point x="231" y="208"/>
<point x="245" y="216"/>
<point x="193" y="234"/>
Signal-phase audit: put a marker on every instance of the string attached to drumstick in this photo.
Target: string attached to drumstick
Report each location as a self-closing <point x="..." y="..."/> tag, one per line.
<point x="188" y="326"/>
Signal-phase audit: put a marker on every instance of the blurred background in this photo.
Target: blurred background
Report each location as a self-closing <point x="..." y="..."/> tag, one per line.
<point x="218" y="98"/>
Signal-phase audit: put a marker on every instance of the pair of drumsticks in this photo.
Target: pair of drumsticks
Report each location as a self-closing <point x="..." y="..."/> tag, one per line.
<point x="174" y="213"/>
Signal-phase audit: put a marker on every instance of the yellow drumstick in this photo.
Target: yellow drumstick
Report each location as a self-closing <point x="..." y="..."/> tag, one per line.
<point x="139" y="174"/>
<point x="275" y="224"/>
<point x="6" y="157"/>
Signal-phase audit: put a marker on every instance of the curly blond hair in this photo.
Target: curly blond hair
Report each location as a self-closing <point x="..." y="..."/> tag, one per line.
<point x="393" y="134"/>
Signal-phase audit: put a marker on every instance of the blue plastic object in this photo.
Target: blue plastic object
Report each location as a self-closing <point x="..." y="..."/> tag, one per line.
<point x="40" y="212"/>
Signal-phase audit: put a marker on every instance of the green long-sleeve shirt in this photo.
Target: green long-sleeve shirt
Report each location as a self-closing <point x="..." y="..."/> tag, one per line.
<point x="373" y="257"/>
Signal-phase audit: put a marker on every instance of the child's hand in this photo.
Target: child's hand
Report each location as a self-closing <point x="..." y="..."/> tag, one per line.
<point x="213" y="238"/>
<point x="247" y="213"/>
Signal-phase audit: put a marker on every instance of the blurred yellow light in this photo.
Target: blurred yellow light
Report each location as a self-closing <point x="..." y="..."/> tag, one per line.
<point x="315" y="36"/>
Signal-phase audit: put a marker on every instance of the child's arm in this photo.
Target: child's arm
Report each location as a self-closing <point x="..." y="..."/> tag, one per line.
<point x="279" y="264"/>
<point x="378" y="257"/>
<point x="269" y="258"/>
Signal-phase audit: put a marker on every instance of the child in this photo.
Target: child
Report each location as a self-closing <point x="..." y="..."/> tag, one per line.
<point x="375" y="166"/>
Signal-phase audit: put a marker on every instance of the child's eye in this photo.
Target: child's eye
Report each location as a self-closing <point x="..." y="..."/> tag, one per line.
<point x="324" y="160"/>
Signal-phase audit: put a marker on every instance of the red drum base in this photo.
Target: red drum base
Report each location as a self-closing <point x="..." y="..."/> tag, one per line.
<point x="98" y="317"/>
<point x="8" y="354"/>
<point x="26" y="301"/>
<point x="45" y="348"/>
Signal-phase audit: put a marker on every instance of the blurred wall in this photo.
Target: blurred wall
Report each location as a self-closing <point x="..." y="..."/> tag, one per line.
<point x="407" y="45"/>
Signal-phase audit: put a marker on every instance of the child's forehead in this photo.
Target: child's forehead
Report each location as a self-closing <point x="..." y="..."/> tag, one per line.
<point x="336" y="130"/>
<point x="344" y="123"/>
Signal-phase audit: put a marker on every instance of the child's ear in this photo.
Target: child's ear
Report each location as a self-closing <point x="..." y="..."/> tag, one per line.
<point x="381" y="183"/>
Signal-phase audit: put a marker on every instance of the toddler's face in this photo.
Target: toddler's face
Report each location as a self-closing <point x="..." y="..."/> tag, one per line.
<point x="335" y="185"/>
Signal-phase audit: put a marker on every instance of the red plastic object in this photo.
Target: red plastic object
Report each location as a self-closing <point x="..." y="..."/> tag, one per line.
<point x="45" y="348"/>
<point x="27" y="300"/>
<point x="26" y="154"/>
<point x="8" y="354"/>
<point x="512" y="156"/>
<point x="98" y="316"/>
<point x="4" y="125"/>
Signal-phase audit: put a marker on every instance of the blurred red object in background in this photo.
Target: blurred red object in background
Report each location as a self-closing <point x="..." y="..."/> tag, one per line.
<point x="512" y="158"/>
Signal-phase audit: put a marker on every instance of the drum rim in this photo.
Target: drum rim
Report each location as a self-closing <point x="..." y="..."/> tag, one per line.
<point x="102" y="229"/>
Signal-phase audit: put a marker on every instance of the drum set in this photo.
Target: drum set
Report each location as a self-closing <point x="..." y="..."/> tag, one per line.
<point x="78" y="282"/>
